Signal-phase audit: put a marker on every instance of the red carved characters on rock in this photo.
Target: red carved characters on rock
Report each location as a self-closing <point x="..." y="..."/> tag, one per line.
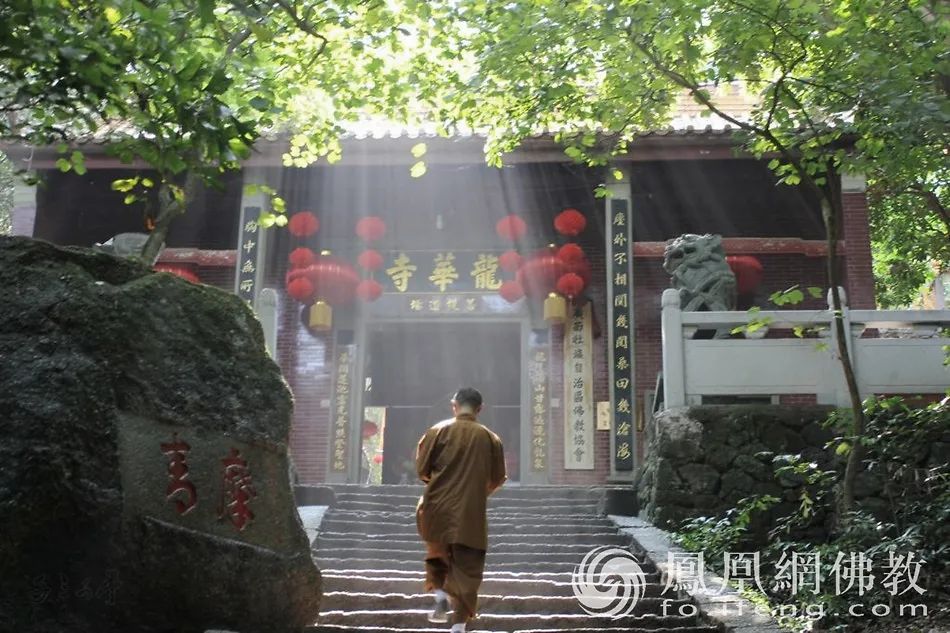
<point x="178" y="484"/>
<point x="238" y="491"/>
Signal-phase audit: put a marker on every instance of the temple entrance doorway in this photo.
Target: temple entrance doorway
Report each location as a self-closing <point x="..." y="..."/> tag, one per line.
<point x="411" y="371"/>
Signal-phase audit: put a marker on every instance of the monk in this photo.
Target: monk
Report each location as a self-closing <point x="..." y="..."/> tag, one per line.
<point x="462" y="463"/>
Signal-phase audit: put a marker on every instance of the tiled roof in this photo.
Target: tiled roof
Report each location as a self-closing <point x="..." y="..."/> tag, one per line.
<point x="680" y="125"/>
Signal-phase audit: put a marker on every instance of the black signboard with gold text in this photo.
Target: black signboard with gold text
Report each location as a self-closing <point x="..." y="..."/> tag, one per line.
<point x="621" y="332"/>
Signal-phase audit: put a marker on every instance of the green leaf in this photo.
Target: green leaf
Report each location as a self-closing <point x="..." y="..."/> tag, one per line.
<point x="112" y="15"/>
<point x="418" y="150"/>
<point x="267" y="220"/>
<point x="78" y="161"/>
<point x="279" y="205"/>
<point x="815" y="292"/>
<point x="206" y="11"/>
<point x="418" y="170"/>
<point x="130" y="198"/>
<point x="63" y="164"/>
<point x="843" y="448"/>
<point x="259" y="103"/>
<point x="218" y="83"/>
<point x="124" y="184"/>
<point x="281" y="220"/>
<point x="617" y="174"/>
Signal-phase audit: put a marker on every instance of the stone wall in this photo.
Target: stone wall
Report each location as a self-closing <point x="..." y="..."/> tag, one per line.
<point x="702" y="460"/>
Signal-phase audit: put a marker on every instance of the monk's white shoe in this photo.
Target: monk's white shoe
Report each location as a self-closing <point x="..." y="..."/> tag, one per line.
<point x="440" y="614"/>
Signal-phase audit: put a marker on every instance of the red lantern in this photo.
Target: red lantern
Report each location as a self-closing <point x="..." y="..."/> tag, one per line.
<point x="509" y="261"/>
<point x="511" y="228"/>
<point x="369" y="290"/>
<point x="539" y="274"/>
<point x="570" y="284"/>
<point x="582" y="268"/>
<point x="511" y="291"/>
<point x="570" y="222"/>
<point x="303" y="224"/>
<point x="333" y="280"/>
<point x="302" y="257"/>
<point x="178" y="270"/>
<point x="370" y="260"/>
<point x="571" y="254"/>
<point x="748" y="272"/>
<point x="301" y="289"/>
<point x="378" y="458"/>
<point x="369" y="429"/>
<point x="371" y="229"/>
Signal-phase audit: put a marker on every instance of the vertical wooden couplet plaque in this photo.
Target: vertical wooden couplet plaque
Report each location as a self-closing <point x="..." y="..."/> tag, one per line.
<point x="245" y="279"/>
<point x="578" y="391"/>
<point x="342" y="394"/>
<point x="619" y="302"/>
<point x="538" y="377"/>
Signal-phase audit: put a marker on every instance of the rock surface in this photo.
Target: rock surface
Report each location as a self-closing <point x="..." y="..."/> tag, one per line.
<point x="143" y="469"/>
<point x="701" y="461"/>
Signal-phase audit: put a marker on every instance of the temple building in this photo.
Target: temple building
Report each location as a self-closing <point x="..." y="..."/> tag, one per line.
<point x="387" y="292"/>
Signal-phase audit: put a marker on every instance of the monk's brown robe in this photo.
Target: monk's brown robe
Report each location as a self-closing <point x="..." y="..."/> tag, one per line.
<point x="461" y="463"/>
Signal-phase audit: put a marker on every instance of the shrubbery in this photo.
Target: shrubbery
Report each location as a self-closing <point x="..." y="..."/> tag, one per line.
<point x="906" y="452"/>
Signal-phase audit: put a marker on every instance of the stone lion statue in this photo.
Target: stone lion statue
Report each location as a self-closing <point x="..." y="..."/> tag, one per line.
<point x="697" y="265"/>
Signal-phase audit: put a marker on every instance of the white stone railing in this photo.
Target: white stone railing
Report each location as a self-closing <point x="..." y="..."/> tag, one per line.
<point x="912" y="363"/>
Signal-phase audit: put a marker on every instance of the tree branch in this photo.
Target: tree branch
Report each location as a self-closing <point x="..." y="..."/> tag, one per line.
<point x="932" y="200"/>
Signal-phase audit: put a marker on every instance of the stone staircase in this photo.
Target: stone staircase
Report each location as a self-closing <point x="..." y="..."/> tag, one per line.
<point x="372" y="565"/>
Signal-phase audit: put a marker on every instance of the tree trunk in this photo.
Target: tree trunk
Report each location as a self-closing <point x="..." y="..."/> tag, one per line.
<point x="831" y="214"/>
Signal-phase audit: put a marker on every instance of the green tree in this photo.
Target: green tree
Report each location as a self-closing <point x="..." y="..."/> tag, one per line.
<point x="853" y="85"/>
<point x="186" y="87"/>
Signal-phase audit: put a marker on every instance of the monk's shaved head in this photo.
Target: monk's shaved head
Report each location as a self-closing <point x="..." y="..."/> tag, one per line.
<point x="466" y="397"/>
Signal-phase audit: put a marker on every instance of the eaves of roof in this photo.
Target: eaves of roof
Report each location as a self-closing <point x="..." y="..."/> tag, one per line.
<point x="391" y="144"/>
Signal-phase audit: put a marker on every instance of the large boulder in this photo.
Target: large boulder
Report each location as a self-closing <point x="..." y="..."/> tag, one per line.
<point x="144" y="476"/>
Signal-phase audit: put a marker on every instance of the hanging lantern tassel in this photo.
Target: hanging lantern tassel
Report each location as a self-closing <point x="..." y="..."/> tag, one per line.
<point x="555" y="309"/>
<point x="321" y="316"/>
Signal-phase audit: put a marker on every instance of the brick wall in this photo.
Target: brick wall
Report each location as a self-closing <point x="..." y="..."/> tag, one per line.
<point x="858" y="276"/>
<point x="307" y="362"/>
<point x="218" y="276"/>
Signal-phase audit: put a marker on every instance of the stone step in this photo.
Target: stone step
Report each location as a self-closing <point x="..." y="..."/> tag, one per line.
<point x="373" y="569"/>
<point x="557" y="545"/>
<point x="487" y="603"/>
<point x="476" y="628"/>
<point x="560" y="567"/>
<point x="529" y="497"/>
<point x="494" y="540"/>
<point x="560" y="506"/>
<point x="494" y="557"/>
<point x="333" y="523"/>
<point x="368" y="581"/>
<point x="546" y="514"/>
<point x="364" y="619"/>
<point x="550" y="521"/>
<point x="508" y="491"/>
